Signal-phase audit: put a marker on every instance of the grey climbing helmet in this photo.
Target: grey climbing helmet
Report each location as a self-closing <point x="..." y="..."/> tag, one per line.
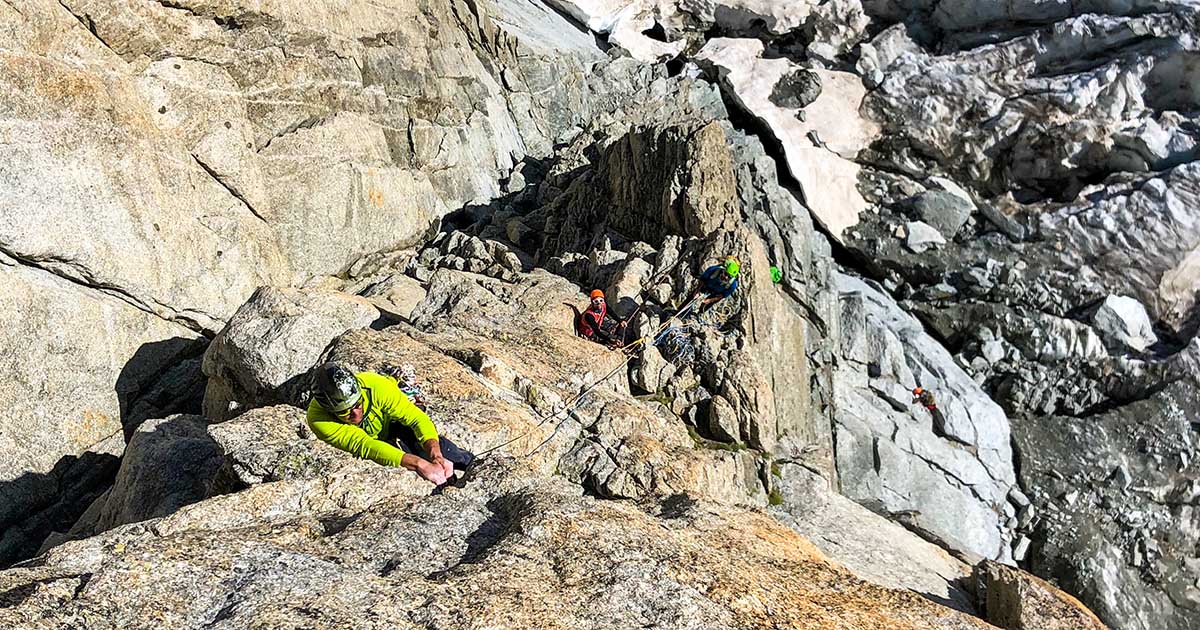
<point x="335" y="388"/>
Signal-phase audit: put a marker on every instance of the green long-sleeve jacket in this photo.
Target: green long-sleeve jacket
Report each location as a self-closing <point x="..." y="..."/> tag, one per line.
<point x="383" y="405"/>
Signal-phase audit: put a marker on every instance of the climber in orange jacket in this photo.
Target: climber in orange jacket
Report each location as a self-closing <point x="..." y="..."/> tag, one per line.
<point x="925" y="397"/>
<point x="597" y="324"/>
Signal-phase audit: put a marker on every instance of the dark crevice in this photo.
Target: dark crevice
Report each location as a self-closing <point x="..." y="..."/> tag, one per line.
<point x="1114" y="404"/>
<point x="34" y="505"/>
<point x="307" y="123"/>
<point x="228" y="187"/>
<point x="17" y="595"/>
<point x="54" y="266"/>
<point x="179" y="7"/>
<point x="227" y="22"/>
<point x="1048" y="68"/>
<point x="89" y="24"/>
<point x="657" y="33"/>
<point x="749" y="124"/>
<point x="334" y="525"/>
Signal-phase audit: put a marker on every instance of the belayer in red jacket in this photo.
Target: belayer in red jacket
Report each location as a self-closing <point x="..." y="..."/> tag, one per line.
<point x="597" y="324"/>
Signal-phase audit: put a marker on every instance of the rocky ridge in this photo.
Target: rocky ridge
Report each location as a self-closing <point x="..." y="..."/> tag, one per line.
<point x="1021" y="180"/>
<point x="258" y="144"/>
<point x="1036" y="219"/>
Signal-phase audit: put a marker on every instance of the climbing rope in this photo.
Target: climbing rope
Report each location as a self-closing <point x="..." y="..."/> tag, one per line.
<point x="677" y="344"/>
<point x="570" y="405"/>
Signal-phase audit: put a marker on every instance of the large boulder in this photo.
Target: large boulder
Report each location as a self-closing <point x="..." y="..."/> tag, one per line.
<point x="273" y="444"/>
<point x="264" y="354"/>
<point x="1016" y="600"/>
<point x="1123" y="323"/>
<point x="169" y="462"/>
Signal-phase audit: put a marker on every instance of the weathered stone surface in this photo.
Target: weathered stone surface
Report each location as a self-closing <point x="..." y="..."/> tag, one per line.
<point x="191" y="151"/>
<point x="396" y="296"/>
<point x="273" y="444"/>
<point x="1122" y="546"/>
<point x="1061" y="122"/>
<point x="180" y="244"/>
<point x="1123" y="323"/>
<point x="871" y="546"/>
<point x="945" y="211"/>
<point x="822" y="166"/>
<point x="484" y="551"/>
<point x="920" y="236"/>
<point x="72" y="393"/>
<point x="672" y="184"/>
<point x="625" y="22"/>
<point x="722" y="420"/>
<point x="264" y="354"/>
<point x="168" y="463"/>
<point x="1017" y="600"/>
<point x="951" y="469"/>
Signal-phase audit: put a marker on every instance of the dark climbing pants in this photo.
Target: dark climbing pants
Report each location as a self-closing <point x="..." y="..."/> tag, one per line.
<point x="404" y="439"/>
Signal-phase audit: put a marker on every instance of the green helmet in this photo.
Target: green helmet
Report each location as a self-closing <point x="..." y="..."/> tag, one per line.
<point x="732" y="267"/>
<point x="335" y="388"/>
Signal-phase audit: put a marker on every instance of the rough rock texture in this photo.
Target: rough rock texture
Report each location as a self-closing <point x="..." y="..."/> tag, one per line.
<point x="952" y="469"/>
<point x="643" y="201"/>
<point x="874" y="548"/>
<point x="73" y="395"/>
<point x="489" y="371"/>
<point x="167" y="464"/>
<point x="1019" y="601"/>
<point x="164" y="159"/>
<point x="263" y="354"/>
<point x="1123" y="323"/>
<point x="272" y="444"/>
<point x="999" y="169"/>
<point x="1117" y="495"/>
<point x="819" y="139"/>
<point x="508" y="548"/>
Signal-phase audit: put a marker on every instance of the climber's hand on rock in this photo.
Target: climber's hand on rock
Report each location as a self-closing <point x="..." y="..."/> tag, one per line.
<point x="446" y="465"/>
<point x="431" y="472"/>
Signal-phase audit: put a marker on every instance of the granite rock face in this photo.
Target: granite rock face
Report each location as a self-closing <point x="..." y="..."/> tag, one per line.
<point x="165" y="159"/>
<point x="263" y="354"/>
<point x="993" y="201"/>
<point x="493" y="550"/>
<point x="951" y="467"/>
<point x="1025" y="183"/>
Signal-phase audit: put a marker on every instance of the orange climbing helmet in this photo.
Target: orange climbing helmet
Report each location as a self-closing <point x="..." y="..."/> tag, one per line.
<point x="596" y="293"/>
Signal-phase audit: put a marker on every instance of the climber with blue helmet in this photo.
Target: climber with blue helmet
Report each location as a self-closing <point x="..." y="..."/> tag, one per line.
<point x="717" y="282"/>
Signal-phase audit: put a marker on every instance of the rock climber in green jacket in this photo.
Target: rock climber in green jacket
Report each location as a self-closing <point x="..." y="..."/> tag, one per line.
<point x="367" y="415"/>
